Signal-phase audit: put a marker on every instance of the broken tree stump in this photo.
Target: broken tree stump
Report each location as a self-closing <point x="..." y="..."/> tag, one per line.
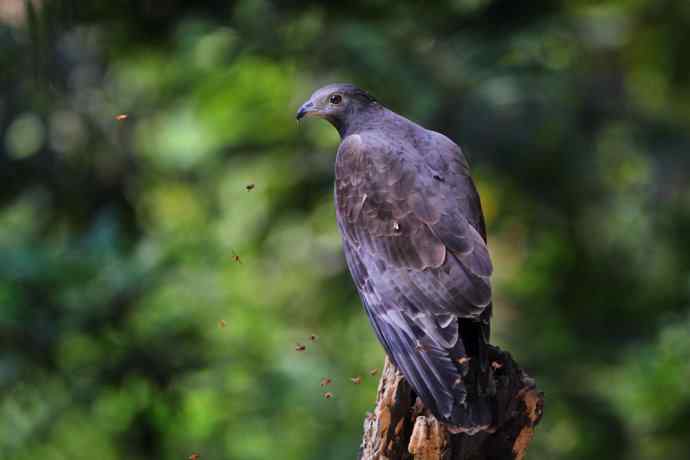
<point x="400" y="428"/>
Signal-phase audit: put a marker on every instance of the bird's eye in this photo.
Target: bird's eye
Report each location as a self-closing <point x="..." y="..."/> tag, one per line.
<point x="335" y="99"/>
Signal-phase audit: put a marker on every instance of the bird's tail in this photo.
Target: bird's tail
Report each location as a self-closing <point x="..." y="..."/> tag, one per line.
<point x="475" y="413"/>
<point x="475" y="338"/>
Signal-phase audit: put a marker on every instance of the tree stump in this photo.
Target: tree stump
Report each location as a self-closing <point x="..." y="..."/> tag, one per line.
<point x="401" y="428"/>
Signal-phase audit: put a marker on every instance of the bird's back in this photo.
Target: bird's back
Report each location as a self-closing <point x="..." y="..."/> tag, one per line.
<point x="414" y="241"/>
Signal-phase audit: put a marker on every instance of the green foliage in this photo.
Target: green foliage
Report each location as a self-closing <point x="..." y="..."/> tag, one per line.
<point x="130" y="330"/>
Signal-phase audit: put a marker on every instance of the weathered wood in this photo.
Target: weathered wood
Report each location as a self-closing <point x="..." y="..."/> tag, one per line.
<point x="401" y="428"/>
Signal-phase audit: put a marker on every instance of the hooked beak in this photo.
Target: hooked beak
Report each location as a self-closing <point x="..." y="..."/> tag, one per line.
<point x="305" y="110"/>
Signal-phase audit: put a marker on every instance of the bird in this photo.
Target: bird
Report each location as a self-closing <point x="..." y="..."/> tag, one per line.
<point x="414" y="240"/>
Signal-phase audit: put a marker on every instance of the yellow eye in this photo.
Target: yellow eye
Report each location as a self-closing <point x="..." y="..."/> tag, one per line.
<point x="335" y="99"/>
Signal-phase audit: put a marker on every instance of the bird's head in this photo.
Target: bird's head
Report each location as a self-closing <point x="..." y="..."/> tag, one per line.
<point x="338" y="103"/>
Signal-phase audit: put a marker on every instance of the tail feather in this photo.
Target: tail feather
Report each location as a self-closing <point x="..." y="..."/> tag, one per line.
<point x="451" y="383"/>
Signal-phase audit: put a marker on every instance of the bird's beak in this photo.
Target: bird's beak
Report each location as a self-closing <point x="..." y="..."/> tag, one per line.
<point x="305" y="110"/>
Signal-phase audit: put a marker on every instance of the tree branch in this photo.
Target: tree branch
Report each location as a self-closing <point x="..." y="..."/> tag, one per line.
<point x="401" y="428"/>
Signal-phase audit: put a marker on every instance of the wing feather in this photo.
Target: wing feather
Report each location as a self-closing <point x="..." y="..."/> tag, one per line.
<point x="415" y="245"/>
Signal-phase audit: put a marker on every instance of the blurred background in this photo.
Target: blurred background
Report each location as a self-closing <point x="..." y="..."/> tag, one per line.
<point x="159" y="268"/>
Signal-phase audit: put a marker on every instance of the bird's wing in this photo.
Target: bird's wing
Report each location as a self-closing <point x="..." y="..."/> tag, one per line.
<point x="419" y="263"/>
<point x="403" y="214"/>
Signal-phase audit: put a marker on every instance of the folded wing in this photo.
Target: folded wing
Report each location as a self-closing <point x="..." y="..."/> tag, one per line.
<point x="414" y="242"/>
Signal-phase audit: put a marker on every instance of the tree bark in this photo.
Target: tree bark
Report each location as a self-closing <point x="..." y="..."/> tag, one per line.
<point x="401" y="428"/>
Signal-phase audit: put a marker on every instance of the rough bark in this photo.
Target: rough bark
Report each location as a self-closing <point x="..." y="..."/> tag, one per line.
<point x="400" y="428"/>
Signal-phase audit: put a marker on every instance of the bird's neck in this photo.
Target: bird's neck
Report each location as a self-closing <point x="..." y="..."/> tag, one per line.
<point x="360" y="119"/>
